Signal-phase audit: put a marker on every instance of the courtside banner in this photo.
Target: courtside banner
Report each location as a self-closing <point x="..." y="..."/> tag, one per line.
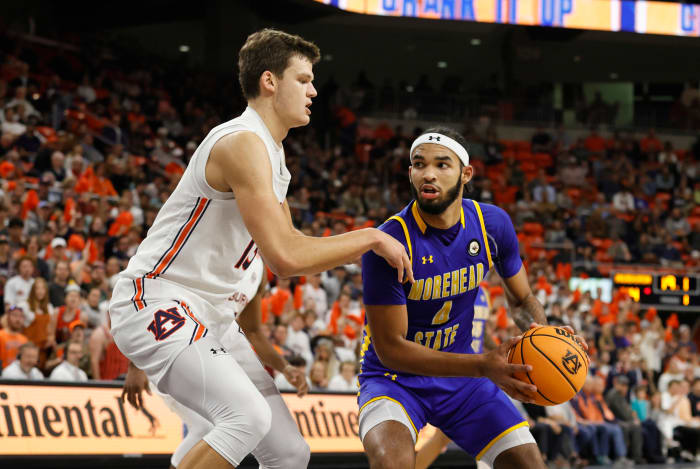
<point x="329" y="422"/>
<point x="82" y="420"/>
<point x="47" y="420"/>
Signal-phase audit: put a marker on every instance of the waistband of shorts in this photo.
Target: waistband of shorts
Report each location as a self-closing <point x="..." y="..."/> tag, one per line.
<point x="128" y="290"/>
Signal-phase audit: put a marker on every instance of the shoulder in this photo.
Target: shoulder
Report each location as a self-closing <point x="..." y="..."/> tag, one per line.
<point x="494" y="216"/>
<point x="241" y="144"/>
<point x="393" y="227"/>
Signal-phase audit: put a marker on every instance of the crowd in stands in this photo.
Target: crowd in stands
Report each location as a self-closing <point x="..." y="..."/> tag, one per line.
<point x="89" y="152"/>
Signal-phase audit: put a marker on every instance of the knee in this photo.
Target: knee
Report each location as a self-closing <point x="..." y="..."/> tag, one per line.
<point x="299" y="453"/>
<point x="527" y="455"/>
<point x="385" y="458"/>
<point x="259" y="419"/>
<point x="250" y="426"/>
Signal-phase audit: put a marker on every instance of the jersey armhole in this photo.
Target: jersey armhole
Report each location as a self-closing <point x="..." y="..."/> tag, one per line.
<point x="201" y="158"/>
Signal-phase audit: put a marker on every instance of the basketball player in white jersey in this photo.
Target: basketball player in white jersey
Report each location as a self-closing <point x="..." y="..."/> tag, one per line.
<point x="167" y="310"/>
<point x="283" y="446"/>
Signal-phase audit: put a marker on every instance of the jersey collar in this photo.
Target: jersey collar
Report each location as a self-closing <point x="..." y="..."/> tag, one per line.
<point x="422" y="225"/>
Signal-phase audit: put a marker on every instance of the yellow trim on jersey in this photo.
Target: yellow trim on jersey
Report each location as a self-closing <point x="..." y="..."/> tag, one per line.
<point x="392" y="400"/>
<point x="419" y="220"/>
<point x="405" y="231"/>
<point x="483" y="230"/>
<point x="503" y="433"/>
<point x="422" y="225"/>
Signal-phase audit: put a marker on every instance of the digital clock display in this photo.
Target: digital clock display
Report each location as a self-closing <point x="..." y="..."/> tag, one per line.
<point x="663" y="291"/>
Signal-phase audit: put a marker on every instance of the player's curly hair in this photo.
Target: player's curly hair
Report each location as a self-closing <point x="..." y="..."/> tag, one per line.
<point x="270" y="49"/>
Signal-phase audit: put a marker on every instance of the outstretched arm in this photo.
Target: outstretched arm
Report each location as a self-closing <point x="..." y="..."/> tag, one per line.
<point x="239" y="162"/>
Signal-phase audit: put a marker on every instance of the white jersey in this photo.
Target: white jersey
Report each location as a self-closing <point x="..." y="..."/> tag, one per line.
<point x="198" y="241"/>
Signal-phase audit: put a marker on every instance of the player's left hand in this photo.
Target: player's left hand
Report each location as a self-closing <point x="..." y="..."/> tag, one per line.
<point x="579" y="340"/>
<point x="297" y="379"/>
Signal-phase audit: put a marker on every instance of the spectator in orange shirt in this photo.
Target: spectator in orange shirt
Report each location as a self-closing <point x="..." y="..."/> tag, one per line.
<point x="590" y="412"/>
<point x="11" y="339"/>
<point x="595" y="143"/>
<point x="281" y="298"/>
<point x="650" y="144"/>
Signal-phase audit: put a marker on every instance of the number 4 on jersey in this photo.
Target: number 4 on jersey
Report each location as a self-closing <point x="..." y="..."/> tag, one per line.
<point x="443" y="315"/>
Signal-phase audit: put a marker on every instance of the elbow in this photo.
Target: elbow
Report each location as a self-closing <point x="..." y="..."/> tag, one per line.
<point x="387" y="357"/>
<point x="284" y="265"/>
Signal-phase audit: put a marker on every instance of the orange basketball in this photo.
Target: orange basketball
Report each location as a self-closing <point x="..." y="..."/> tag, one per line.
<point x="559" y="363"/>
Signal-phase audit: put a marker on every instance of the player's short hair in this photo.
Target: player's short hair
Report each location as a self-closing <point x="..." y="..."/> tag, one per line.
<point x="270" y="49"/>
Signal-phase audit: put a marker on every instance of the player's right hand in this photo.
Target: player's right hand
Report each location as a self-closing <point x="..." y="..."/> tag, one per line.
<point x="395" y="255"/>
<point x="296" y="378"/>
<point x="495" y="366"/>
<point x="135" y="383"/>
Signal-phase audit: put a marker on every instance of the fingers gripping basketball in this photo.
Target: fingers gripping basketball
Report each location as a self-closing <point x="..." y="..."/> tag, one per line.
<point x="559" y="363"/>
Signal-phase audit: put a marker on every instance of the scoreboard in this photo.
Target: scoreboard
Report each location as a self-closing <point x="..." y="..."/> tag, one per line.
<point x="641" y="16"/>
<point x="680" y="293"/>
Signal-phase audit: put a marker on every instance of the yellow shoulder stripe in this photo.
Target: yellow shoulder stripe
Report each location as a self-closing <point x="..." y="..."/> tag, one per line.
<point x="483" y="230"/>
<point x="405" y="232"/>
<point x="419" y="220"/>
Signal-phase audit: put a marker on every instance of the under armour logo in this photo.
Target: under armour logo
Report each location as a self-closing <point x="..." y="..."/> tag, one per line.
<point x="428" y="259"/>
<point x="388" y="375"/>
<point x="434" y="137"/>
<point x="214" y="351"/>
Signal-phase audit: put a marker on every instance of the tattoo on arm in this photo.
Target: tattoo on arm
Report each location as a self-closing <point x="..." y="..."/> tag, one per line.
<point x="528" y="311"/>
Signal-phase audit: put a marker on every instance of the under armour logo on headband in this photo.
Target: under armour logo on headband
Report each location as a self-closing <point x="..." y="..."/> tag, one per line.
<point x="445" y="141"/>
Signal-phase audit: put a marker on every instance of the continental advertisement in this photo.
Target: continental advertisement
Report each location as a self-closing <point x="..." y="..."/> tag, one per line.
<point x="38" y="420"/>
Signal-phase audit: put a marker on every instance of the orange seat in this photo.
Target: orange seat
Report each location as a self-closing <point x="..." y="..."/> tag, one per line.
<point x="543" y="160"/>
<point x="505" y="195"/>
<point x="524" y="156"/>
<point x="522" y="145"/>
<point x="528" y="167"/>
<point x="530" y="175"/>
<point x="533" y="229"/>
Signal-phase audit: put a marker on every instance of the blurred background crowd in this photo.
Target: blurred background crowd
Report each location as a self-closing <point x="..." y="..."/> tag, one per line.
<point x="91" y="145"/>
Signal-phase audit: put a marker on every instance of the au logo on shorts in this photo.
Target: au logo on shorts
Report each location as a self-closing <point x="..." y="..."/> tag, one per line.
<point x="165" y="322"/>
<point x="571" y="362"/>
<point x="474" y="248"/>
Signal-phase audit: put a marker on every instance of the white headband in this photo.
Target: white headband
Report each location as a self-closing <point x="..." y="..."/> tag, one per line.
<point x="445" y="141"/>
